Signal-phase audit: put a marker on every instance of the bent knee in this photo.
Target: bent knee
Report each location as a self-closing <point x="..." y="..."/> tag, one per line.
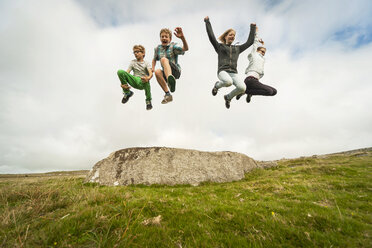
<point x="241" y="88"/>
<point x="158" y="72"/>
<point x="163" y="60"/>
<point x="120" y="72"/>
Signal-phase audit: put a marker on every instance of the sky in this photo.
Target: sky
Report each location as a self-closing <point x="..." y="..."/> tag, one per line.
<point x="60" y="96"/>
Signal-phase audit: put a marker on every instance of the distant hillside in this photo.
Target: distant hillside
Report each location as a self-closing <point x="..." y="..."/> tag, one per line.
<point x="83" y="173"/>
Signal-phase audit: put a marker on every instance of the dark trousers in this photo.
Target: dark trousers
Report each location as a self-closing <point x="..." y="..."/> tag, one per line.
<point x="175" y="71"/>
<point x="254" y="87"/>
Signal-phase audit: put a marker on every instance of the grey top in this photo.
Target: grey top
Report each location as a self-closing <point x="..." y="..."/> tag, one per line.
<point x="228" y="54"/>
<point x="140" y="69"/>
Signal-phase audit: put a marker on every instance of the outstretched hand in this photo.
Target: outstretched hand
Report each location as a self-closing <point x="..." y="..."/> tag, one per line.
<point x="178" y="32"/>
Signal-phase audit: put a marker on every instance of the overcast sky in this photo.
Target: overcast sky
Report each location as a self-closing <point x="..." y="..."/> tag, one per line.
<point x="60" y="97"/>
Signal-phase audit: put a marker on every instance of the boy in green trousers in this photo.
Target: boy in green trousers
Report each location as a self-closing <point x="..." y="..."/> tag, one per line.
<point x="142" y="73"/>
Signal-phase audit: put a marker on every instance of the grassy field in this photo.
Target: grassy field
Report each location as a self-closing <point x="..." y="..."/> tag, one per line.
<point x="320" y="201"/>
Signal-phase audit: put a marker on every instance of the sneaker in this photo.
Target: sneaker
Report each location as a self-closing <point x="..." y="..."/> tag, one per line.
<point x="240" y="95"/>
<point x="248" y="98"/>
<point x="227" y="101"/>
<point x="167" y="98"/>
<point x="126" y="97"/>
<point x="148" y="105"/>
<point x="214" y="90"/>
<point x="171" y="83"/>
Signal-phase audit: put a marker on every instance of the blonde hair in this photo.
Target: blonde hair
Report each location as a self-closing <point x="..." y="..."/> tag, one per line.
<point x="140" y="48"/>
<point x="167" y="31"/>
<point x="223" y="36"/>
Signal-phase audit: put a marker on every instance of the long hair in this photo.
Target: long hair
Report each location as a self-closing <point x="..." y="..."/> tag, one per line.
<point x="222" y="38"/>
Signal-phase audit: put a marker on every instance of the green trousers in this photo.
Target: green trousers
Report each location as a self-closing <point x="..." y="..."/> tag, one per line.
<point x="135" y="82"/>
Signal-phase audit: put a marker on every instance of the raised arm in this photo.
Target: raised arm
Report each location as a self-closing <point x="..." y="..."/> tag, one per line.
<point x="256" y="42"/>
<point x="211" y="36"/>
<point x="250" y="40"/>
<point x="179" y="34"/>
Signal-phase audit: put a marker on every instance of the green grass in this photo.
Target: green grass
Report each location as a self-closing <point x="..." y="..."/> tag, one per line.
<point x="307" y="202"/>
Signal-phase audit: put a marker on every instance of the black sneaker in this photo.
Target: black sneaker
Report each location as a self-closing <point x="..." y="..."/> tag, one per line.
<point x="240" y="95"/>
<point x="227" y="101"/>
<point x="248" y="98"/>
<point x="171" y="83"/>
<point x="214" y="90"/>
<point x="126" y="97"/>
<point x="148" y="105"/>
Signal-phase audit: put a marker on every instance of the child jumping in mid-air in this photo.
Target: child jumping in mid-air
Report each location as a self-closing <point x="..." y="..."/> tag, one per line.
<point x="142" y="73"/>
<point x="255" y="71"/>
<point x="228" y="55"/>
<point x="167" y="52"/>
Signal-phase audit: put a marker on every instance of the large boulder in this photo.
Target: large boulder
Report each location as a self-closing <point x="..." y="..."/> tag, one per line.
<point x="161" y="165"/>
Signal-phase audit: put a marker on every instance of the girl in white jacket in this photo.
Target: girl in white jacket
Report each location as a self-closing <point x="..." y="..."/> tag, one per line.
<point x="255" y="71"/>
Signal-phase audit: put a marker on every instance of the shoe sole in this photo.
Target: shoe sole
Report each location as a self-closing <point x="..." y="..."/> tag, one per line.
<point x="171" y="83"/>
<point x="125" y="100"/>
<point x="165" y="102"/>
<point x="227" y="103"/>
<point x="214" y="93"/>
<point x="239" y="96"/>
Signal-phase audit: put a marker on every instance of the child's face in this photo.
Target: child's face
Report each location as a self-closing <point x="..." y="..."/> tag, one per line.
<point x="164" y="38"/>
<point x="230" y="37"/>
<point x="262" y="51"/>
<point x="138" y="54"/>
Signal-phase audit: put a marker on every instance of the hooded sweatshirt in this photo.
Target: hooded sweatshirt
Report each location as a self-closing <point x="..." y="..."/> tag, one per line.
<point x="228" y="54"/>
<point x="256" y="61"/>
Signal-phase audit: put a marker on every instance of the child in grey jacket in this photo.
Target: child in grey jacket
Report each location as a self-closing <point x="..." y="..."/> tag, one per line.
<point x="255" y="71"/>
<point x="228" y="55"/>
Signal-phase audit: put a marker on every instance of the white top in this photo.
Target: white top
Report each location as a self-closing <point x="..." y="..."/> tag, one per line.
<point x="253" y="74"/>
<point x="256" y="61"/>
<point x="140" y="69"/>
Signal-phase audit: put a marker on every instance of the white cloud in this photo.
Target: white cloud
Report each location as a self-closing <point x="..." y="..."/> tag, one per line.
<point x="60" y="95"/>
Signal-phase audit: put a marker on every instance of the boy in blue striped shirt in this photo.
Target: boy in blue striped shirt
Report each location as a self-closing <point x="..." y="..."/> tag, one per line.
<point x="167" y="53"/>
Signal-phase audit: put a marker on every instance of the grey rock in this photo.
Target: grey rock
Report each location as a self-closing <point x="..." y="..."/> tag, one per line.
<point x="170" y="166"/>
<point x="266" y="164"/>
